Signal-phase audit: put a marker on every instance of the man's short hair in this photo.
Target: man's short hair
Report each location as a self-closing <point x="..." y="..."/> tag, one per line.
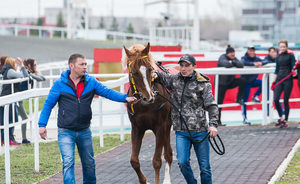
<point x="272" y="48"/>
<point x="73" y="58"/>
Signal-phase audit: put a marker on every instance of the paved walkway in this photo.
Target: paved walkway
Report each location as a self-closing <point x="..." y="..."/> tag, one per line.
<point x="252" y="156"/>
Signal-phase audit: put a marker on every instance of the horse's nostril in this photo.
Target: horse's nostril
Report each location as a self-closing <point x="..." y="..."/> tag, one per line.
<point x="145" y="99"/>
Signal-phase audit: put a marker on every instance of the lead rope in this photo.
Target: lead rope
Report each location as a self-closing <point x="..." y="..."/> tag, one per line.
<point x="215" y="148"/>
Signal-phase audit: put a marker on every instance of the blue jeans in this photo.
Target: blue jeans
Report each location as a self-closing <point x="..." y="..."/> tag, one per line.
<point x="183" y="148"/>
<point x="66" y="142"/>
<point x="254" y="84"/>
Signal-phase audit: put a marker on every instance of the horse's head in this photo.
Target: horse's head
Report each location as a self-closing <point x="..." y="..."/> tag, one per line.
<point x="139" y="63"/>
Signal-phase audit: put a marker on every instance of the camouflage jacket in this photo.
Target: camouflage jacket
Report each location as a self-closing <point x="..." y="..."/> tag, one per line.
<point x="193" y="96"/>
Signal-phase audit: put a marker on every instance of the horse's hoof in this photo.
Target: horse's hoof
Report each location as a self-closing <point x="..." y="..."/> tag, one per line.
<point x="167" y="182"/>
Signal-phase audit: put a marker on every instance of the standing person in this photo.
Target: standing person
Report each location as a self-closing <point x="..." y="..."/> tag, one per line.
<point x="74" y="92"/>
<point x="270" y="58"/>
<point x="30" y="65"/>
<point x="191" y="92"/>
<point x="250" y="59"/>
<point x="285" y="62"/>
<point x="228" y="60"/>
<point x="2" y="61"/>
<point x="9" y="71"/>
<point x="272" y="53"/>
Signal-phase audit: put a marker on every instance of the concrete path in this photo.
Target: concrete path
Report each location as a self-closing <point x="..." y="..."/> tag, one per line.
<point x="252" y="156"/>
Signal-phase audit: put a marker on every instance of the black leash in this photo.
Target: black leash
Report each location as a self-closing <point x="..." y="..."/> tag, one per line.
<point x="216" y="148"/>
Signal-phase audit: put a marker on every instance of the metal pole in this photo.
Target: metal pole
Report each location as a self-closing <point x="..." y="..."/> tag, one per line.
<point x="69" y="20"/>
<point x="16" y="30"/>
<point x="264" y="99"/>
<point x="6" y="145"/>
<point x="216" y="87"/>
<point x="271" y="97"/>
<point x="36" y="135"/>
<point x="86" y="21"/>
<point x="30" y="117"/>
<point x="196" y="27"/>
<point x="101" y="122"/>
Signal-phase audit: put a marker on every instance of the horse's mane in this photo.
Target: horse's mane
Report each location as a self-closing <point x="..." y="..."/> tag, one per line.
<point x="134" y="49"/>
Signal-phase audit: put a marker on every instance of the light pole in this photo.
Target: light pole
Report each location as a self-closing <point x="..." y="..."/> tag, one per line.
<point x="196" y="27"/>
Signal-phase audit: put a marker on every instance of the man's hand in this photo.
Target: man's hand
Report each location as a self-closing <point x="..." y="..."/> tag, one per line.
<point x="19" y="61"/>
<point x="131" y="99"/>
<point x="43" y="132"/>
<point x="258" y="64"/>
<point x="213" y="132"/>
<point x="154" y="75"/>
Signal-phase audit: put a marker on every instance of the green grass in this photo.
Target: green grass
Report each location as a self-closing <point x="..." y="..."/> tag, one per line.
<point x="292" y="173"/>
<point x="26" y="104"/>
<point x="22" y="159"/>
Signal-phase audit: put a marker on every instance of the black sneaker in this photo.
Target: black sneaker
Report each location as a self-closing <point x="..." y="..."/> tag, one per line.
<point x="246" y="122"/>
<point x="221" y="124"/>
<point x="255" y="99"/>
<point x="241" y="102"/>
<point x="25" y="141"/>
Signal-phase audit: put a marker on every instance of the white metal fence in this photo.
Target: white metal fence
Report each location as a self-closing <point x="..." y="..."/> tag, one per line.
<point x="48" y="31"/>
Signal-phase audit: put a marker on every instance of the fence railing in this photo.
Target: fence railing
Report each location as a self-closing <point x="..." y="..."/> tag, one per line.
<point x="36" y="94"/>
<point x="48" y="31"/>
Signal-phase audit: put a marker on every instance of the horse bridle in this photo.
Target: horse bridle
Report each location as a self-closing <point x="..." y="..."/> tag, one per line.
<point x="136" y="94"/>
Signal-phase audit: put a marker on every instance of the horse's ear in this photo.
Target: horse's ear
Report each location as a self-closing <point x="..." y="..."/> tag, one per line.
<point x="128" y="53"/>
<point x="146" y="50"/>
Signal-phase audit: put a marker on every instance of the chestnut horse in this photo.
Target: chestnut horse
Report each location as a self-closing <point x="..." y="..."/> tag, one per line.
<point x="149" y="113"/>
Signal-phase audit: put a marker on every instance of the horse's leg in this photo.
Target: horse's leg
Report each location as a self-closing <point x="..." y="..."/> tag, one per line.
<point x="136" y="142"/>
<point x="168" y="154"/>
<point x="156" y="161"/>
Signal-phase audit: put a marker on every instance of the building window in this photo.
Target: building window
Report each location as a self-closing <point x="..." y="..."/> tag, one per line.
<point x="249" y="27"/>
<point x="250" y="11"/>
<point x="268" y="11"/>
<point x="267" y="27"/>
<point x="290" y="10"/>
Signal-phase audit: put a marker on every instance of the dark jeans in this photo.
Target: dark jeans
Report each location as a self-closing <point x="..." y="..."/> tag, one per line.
<point x="66" y="142"/>
<point x="10" y="120"/>
<point x="183" y="148"/>
<point x="254" y="84"/>
<point x="286" y="87"/>
<point x="237" y="82"/>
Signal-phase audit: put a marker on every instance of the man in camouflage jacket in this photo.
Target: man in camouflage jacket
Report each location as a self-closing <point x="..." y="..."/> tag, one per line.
<point x="191" y="93"/>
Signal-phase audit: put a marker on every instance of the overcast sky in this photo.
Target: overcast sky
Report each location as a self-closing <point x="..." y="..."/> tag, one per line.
<point x="131" y="8"/>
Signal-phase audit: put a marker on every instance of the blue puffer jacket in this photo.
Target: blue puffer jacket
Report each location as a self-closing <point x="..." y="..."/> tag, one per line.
<point x="249" y="61"/>
<point x="75" y="113"/>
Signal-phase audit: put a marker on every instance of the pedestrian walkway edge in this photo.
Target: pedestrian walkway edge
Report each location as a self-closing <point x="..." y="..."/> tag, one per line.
<point x="281" y="169"/>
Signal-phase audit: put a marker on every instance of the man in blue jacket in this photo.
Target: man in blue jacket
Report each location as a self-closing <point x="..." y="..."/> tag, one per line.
<point x="250" y="59"/>
<point x="74" y="92"/>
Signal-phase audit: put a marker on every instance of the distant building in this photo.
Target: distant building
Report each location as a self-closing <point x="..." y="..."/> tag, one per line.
<point x="274" y="19"/>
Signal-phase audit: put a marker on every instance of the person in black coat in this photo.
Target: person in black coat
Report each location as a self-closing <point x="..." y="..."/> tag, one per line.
<point x="285" y="62"/>
<point x="272" y="53"/>
<point x="228" y="60"/>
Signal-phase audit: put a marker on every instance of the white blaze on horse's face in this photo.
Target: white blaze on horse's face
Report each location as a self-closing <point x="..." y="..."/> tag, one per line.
<point x="143" y="71"/>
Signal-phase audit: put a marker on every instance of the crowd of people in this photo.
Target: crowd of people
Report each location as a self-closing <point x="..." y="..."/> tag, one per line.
<point x="15" y="68"/>
<point x="284" y="60"/>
